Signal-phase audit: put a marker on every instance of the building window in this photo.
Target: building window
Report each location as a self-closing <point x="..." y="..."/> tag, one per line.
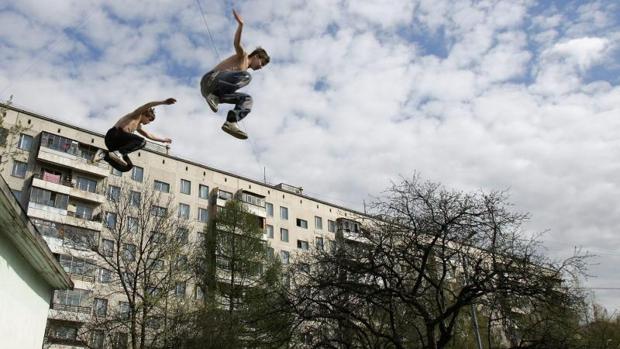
<point x="49" y="198"/>
<point x="198" y="292"/>
<point x="63" y="332"/>
<point x="302" y="245"/>
<point x="137" y="173"/>
<point x="121" y="339"/>
<point x="116" y="172"/>
<point x="184" y="211"/>
<point x="203" y="215"/>
<point x="284" y="256"/>
<point x="75" y="300"/>
<point x="224" y="195"/>
<point x="87" y="184"/>
<point x="269" y="208"/>
<point x="19" y="169"/>
<point x="129" y="252"/>
<point x="182" y="235"/>
<point x="269" y="231"/>
<point x="319" y="243"/>
<point x="284" y="234"/>
<point x="302" y="223"/>
<point x="181" y="262"/>
<point x="253" y="199"/>
<point x="105" y="276"/>
<point x="179" y="289"/>
<point x="84" y="212"/>
<point x="135" y="198"/>
<point x="78" y="266"/>
<point x="283" y="213"/>
<point x="155" y="264"/>
<point x="186" y="187"/>
<point x="25" y="142"/>
<point x="110" y="220"/>
<point x="158" y="238"/>
<point x="318" y="223"/>
<point x="203" y="191"/>
<point x="97" y="339"/>
<point x="125" y="312"/>
<point x="158" y="211"/>
<point x="107" y="247"/>
<point x="114" y="192"/>
<point x="331" y="226"/>
<point x="132" y="225"/>
<point x="161" y="186"/>
<point x="101" y="307"/>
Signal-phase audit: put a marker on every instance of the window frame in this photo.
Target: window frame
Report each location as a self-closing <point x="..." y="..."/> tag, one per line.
<point x="284" y="213"/>
<point x="15" y="171"/>
<point x="284" y="233"/>
<point x="189" y="187"/>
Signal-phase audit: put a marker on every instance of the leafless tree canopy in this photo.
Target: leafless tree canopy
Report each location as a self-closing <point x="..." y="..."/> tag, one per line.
<point x="142" y="257"/>
<point x="407" y="278"/>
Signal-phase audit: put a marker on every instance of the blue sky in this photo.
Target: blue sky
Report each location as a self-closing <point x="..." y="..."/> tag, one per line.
<point x="484" y="95"/>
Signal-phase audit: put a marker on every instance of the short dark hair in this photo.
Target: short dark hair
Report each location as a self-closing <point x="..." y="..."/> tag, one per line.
<point x="262" y="54"/>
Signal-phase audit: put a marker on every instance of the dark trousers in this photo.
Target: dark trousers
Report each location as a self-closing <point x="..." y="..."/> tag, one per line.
<point x="125" y="142"/>
<point x="224" y="85"/>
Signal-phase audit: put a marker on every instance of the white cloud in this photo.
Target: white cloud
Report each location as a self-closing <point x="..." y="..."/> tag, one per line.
<point x="582" y="52"/>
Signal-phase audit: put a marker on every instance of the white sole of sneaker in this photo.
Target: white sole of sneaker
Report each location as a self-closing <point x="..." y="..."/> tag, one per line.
<point x="116" y="159"/>
<point x="239" y="135"/>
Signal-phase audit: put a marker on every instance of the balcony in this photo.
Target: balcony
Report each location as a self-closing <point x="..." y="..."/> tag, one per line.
<point x="71" y="159"/>
<point x="76" y="313"/>
<point x="55" y="183"/>
<point x="59" y="215"/>
<point x="254" y="203"/>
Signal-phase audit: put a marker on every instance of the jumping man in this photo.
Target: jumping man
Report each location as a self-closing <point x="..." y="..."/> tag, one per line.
<point x="220" y="85"/>
<point x="121" y="140"/>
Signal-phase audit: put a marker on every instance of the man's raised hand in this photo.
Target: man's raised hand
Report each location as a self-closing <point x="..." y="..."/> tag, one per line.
<point x="237" y="17"/>
<point x="170" y="101"/>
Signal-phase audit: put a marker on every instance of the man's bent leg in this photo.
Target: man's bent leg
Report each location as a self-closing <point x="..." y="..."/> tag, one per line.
<point x="230" y="81"/>
<point x="243" y="105"/>
<point x="131" y="143"/>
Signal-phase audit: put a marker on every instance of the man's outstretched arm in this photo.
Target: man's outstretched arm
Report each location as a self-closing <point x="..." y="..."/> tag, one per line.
<point x="237" y="43"/>
<point x="136" y="113"/>
<point x="151" y="136"/>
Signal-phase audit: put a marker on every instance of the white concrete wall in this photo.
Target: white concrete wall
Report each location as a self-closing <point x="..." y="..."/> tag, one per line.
<point x="24" y="300"/>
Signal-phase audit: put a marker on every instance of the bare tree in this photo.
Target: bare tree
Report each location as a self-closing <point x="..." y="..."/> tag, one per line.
<point x="9" y="136"/>
<point x="413" y="271"/>
<point x="142" y="258"/>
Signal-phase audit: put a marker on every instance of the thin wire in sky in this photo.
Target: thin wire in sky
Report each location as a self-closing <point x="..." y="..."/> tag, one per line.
<point x="204" y="19"/>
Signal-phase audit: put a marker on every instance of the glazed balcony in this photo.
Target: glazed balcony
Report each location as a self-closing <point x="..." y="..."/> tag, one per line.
<point x="55" y="184"/>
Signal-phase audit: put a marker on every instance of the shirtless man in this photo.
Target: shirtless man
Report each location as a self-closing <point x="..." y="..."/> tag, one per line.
<point x="121" y="140"/>
<point x="220" y="85"/>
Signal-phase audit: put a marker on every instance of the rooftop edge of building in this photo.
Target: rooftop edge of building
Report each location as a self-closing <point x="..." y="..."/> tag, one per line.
<point x="283" y="187"/>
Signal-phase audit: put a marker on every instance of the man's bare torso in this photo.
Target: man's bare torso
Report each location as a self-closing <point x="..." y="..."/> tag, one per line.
<point x="234" y="63"/>
<point x="127" y="124"/>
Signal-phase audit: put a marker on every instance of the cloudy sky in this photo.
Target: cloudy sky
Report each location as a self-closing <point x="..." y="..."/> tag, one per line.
<point x="521" y="95"/>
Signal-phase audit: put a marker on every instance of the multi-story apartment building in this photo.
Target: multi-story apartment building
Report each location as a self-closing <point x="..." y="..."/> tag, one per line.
<point x="64" y="194"/>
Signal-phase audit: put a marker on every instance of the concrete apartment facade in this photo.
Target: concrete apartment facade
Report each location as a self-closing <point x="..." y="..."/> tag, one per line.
<point x="58" y="186"/>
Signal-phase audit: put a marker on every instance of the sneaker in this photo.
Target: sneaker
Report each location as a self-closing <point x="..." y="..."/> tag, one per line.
<point x="117" y="157"/>
<point x="232" y="129"/>
<point x="213" y="101"/>
<point x="99" y="155"/>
